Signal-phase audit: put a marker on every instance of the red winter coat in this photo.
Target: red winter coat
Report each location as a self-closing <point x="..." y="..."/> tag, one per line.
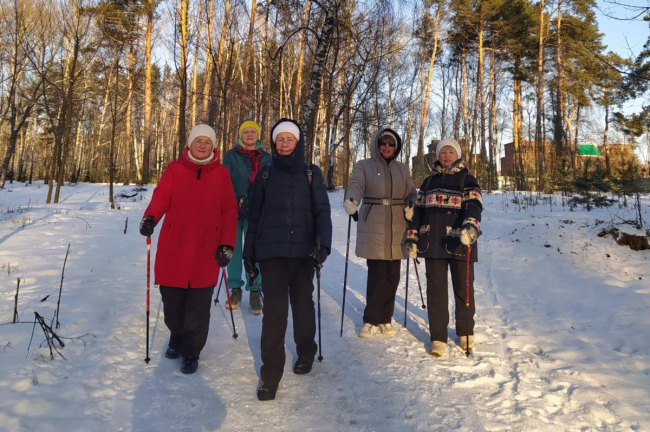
<point x="200" y="215"/>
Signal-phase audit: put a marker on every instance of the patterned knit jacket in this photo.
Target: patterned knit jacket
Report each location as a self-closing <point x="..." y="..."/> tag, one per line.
<point x="447" y="200"/>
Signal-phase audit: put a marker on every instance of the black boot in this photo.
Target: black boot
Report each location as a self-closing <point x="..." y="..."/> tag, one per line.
<point x="190" y="365"/>
<point x="173" y="351"/>
<point x="267" y="390"/>
<point x="303" y="365"/>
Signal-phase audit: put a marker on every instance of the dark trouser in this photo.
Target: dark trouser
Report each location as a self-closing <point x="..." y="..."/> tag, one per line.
<point x="383" y="278"/>
<point x="286" y="280"/>
<point x="438" y="299"/>
<point x="187" y="316"/>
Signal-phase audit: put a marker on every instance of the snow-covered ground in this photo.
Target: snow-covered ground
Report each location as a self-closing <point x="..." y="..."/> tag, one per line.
<point x="563" y="333"/>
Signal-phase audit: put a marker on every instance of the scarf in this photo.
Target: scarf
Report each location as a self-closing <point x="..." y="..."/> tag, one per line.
<point x="255" y="159"/>
<point x="200" y="161"/>
<point x="454" y="168"/>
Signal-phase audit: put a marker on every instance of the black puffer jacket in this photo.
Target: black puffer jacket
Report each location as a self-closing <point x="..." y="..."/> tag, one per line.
<point x="447" y="200"/>
<point x="285" y="212"/>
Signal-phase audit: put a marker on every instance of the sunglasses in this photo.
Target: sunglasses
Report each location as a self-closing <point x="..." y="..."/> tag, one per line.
<point x="387" y="143"/>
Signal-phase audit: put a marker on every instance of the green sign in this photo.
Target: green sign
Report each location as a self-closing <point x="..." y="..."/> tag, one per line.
<point x="587" y="150"/>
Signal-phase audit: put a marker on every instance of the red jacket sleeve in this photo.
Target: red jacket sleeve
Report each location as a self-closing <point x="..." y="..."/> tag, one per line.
<point x="161" y="195"/>
<point x="229" y="211"/>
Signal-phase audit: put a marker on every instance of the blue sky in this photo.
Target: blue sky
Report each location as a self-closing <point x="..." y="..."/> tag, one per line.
<point x="624" y="37"/>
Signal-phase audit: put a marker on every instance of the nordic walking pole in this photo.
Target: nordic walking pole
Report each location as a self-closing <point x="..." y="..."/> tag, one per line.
<point x="216" y="299"/>
<point x="259" y="289"/>
<point x="318" y="267"/>
<point x="467" y="350"/>
<point x="417" y="274"/>
<point x="406" y="297"/>
<point x="147" y="359"/>
<point x="232" y="317"/>
<point x="355" y="216"/>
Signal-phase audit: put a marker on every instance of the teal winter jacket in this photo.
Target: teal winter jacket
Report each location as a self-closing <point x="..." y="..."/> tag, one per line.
<point x="240" y="169"/>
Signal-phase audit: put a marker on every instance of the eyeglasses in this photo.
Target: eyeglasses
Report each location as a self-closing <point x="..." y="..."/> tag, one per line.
<point x="387" y="143"/>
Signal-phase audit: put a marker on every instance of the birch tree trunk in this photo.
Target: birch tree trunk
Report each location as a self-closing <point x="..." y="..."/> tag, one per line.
<point x="420" y="168"/>
<point x="309" y="110"/>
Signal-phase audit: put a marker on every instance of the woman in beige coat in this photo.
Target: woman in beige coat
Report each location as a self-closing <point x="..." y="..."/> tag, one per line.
<point x="388" y="194"/>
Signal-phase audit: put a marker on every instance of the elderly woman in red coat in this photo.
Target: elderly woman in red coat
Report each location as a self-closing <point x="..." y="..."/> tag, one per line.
<point x="196" y="197"/>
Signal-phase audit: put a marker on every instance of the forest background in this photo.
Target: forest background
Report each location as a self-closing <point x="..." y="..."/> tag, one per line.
<point x="107" y="90"/>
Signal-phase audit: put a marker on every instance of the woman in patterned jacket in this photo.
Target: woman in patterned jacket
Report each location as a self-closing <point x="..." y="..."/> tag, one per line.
<point x="445" y="226"/>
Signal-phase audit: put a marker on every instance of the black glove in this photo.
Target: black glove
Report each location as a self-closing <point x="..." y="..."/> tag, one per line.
<point x="318" y="256"/>
<point x="241" y="207"/>
<point x="224" y="255"/>
<point x="251" y="270"/>
<point x="147" y="225"/>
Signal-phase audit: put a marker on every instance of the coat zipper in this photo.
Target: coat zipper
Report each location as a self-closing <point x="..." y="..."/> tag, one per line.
<point x="437" y="225"/>
<point x="390" y="210"/>
<point x="198" y="173"/>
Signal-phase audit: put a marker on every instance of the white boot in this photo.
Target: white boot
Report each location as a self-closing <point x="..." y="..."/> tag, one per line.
<point x="367" y="330"/>
<point x="387" y="329"/>
<point x="463" y="342"/>
<point x="438" y="348"/>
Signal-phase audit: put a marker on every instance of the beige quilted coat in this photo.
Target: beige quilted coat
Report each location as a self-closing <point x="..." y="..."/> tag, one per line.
<point x="383" y="189"/>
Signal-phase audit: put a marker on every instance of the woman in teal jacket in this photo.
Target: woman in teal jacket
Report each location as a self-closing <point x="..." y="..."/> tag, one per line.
<point x="244" y="161"/>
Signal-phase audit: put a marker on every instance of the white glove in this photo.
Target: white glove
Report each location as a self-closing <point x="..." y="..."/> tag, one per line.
<point x="413" y="250"/>
<point x="468" y="235"/>
<point x="350" y="207"/>
<point x="408" y="213"/>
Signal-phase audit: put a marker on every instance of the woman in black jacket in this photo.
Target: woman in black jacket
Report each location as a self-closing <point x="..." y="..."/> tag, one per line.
<point x="289" y="233"/>
<point x="445" y="225"/>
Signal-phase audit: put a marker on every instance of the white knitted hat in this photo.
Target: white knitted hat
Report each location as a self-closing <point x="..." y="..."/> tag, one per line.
<point x="202" y="130"/>
<point x="286" y="126"/>
<point x="448" y="142"/>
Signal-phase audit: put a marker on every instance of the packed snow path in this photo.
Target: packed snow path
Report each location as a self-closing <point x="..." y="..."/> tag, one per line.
<point x="563" y="333"/>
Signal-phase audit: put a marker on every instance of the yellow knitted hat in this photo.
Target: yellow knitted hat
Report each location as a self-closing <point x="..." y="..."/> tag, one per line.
<point x="250" y="124"/>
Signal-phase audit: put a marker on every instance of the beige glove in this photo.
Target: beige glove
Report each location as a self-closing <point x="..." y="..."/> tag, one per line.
<point x="413" y="250"/>
<point x="408" y="213"/>
<point x="350" y="207"/>
<point x="468" y="235"/>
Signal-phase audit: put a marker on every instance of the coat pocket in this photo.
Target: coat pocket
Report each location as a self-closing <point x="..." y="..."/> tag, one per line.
<point x="453" y="245"/>
<point x="365" y="214"/>
<point x="423" y="238"/>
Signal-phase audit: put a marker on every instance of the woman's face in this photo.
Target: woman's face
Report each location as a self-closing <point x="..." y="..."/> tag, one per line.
<point x="285" y="143"/>
<point x="249" y="137"/>
<point x="448" y="156"/>
<point x="201" y="147"/>
<point x="387" y="146"/>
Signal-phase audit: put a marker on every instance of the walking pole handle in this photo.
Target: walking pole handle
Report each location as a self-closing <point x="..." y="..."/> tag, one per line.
<point x="355" y="216"/>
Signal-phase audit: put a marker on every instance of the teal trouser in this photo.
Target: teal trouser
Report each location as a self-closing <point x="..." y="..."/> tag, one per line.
<point x="235" y="267"/>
